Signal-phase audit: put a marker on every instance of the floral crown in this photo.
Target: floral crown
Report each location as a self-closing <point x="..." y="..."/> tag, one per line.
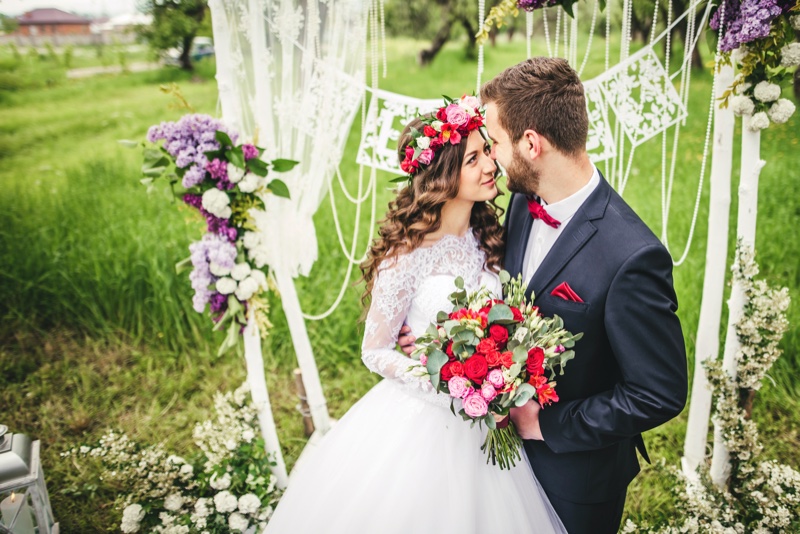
<point x="454" y="120"/>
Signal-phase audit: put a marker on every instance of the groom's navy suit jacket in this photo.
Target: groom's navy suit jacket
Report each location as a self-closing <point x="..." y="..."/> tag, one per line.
<point x="629" y="372"/>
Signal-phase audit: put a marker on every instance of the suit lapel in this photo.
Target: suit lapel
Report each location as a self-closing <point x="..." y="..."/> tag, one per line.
<point x="577" y="233"/>
<point x="516" y="250"/>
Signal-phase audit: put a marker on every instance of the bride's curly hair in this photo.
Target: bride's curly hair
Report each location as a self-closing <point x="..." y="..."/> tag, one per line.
<point x="416" y="211"/>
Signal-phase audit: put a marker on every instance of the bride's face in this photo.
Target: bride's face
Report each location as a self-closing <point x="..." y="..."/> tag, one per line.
<point x="477" y="171"/>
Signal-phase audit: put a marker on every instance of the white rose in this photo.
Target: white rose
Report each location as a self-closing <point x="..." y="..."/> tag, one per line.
<point x="218" y="270"/>
<point x="767" y="92"/>
<point x="795" y="20"/>
<point x="742" y="105"/>
<point x="226" y="285"/>
<point x="247" y="288"/>
<point x="235" y="174"/>
<point x="238" y="522"/>
<point x="260" y="278"/>
<point x="248" y="435"/>
<point x="216" y="202"/>
<point x="249" y="503"/>
<point x="757" y="122"/>
<point x="225" y="502"/>
<point x="423" y="142"/>
<point x="790" y="55"/>
<point x="240" y="271"/>
<point x="249" y="183"/>
<point x="173" y="502"/>
<point x="781" y="110"/>
<point x="437" y="125"/>
<point x="221" y="483"/>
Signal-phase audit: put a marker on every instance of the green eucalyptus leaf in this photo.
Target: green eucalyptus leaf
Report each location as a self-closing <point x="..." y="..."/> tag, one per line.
<point x="500" y="312"/>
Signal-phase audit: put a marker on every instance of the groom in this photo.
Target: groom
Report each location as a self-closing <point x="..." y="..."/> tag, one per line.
<point x="588" y="258"/>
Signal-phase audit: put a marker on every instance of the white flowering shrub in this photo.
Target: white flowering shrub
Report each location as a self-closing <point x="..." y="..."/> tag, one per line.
<point x="226" y="487"/>
<point x="763" y="496"/>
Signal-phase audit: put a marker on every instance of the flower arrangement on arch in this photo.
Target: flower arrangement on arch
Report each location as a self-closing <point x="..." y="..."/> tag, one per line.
<point x="227" y="486"/>
<point x="759" y="36"/>
<point x="510" y="8"/>
<point x="199" y="158"/>
<point x="490" y="355"/>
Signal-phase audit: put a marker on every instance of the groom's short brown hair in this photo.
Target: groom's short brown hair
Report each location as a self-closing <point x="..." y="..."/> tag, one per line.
<point x="545" y="95"/>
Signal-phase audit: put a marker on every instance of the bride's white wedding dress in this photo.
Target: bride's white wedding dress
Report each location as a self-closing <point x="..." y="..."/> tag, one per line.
<point x="399" y="461"/>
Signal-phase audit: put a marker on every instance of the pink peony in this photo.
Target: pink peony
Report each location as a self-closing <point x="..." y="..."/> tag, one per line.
<point x="456" y="115"/>
<point x="426" y="156"/>
<point x="475" y="405"/>
<point x="458" y="386"/>
<point x="470" y="101"/>
<point x="495" y="378"/>
<point x="488" y="392"/>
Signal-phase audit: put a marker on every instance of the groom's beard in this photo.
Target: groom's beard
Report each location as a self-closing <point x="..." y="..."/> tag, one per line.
<point x="523" y="177"/>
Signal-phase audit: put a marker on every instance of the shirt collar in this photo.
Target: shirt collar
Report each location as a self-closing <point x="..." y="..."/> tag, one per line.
<point x="564" y="209"/>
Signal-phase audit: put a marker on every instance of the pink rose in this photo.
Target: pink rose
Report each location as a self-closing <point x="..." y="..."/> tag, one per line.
<point x="423" y="359"/>
<point x="495" y="378"/>
<point x="470" y="101"/>
<point x="475" y="405"/>
<point x="426" y="156"/>
<point x="456" y="115"/>
<point x="488" y="392"/>
<point x="458" y="386"/>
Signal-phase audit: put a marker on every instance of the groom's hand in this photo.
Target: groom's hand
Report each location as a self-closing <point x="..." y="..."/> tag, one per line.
<point x="406" y="340"/>
<point x="526" y="420"/>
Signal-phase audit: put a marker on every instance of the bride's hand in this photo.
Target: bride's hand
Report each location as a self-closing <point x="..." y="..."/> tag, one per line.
<point x="406" y="340"/>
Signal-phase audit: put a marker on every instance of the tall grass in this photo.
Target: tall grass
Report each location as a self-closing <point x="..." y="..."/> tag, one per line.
<point x="97" y="328"/>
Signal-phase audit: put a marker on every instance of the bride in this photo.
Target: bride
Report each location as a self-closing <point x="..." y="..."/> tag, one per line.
<point x="399" y="460"/>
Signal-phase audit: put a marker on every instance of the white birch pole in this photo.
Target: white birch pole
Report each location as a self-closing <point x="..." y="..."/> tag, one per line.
<point x="746" y="233"/>
<point x="707" y="345"/>
<point x="260" y="395"/>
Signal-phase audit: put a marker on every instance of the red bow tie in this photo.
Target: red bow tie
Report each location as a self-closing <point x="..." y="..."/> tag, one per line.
<point x="538" y="212"/>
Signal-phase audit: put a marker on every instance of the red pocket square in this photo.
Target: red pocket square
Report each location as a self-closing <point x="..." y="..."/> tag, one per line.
<point x="565" y="292"/>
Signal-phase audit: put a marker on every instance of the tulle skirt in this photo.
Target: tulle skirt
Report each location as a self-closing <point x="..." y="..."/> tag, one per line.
<point x="398" y="464"/>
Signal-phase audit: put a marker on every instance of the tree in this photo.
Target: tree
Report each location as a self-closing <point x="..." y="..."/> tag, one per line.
<point x="458" y="13"/>
<point x="175" y="25"/>
<point x="8" y="24"/>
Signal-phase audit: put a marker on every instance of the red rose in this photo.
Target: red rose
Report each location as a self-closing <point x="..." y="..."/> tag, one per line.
<point x="441" y="115"/>
<point x="436" y="143"/>
<point x="517" y="314"/>
<point x="457" y="368"/>
<point x="507" y="359"/>
<point x="476" y="368"/>
<point x="535" y="363"/>
<point x="446" y="374"/>
<point x="493" y="359"/>
<point x="499" y="334"/>
<point x="486" y="346"/>
<point x="429" y="132"/>
<point x="449" y="351"/>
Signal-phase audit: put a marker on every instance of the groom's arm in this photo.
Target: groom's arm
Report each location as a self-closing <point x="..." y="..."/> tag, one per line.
<point x="646" y="340"/>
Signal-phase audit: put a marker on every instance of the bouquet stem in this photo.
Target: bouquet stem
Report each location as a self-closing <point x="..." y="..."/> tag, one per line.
<point x="503" y="446"/>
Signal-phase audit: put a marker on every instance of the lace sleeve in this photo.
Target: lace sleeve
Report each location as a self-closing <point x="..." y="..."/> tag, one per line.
<point x="392" y="294"/>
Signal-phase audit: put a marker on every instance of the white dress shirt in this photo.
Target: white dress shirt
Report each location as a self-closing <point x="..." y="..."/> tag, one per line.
<point x="543" y="236"/>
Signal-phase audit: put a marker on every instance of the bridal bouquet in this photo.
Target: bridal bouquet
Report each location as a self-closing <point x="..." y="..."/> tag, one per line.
<point x="490" y="355"/>
<point x="223" y="180"/>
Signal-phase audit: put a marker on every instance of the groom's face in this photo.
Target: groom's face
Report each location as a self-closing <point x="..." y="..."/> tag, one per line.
<point x="521" y="174"/>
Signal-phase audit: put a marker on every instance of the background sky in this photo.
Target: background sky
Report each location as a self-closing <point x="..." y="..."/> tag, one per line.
<point x="95" y="8"/>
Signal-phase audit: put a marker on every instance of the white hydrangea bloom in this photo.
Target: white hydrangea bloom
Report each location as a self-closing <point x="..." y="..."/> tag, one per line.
<point x="249" y="503"/>
<point x="201" y="507"/>
<point x="238" y="522"/>
<point x="249" y="183"/>
<point x="240" y="271"/>
<point x="235" y="174"/>
<point x="225" y="502"/>
<point x="790" y="55"/>
<point x="221" y="483"/>
<point x="131" y="517"/>
<point x="173" y="502"/>
<point x="187" y="469"/>
<point x="217" y="203"/>
<point x="757" y="122"/>
<point x="248" y="435"/>
<point x="247" y="288"/>
<point x="226" y="285"/>
<point x="766" y="91"/>
<point x="251" y="240"/>
<point x="781" y="110"/>
<point x="742" y="105"/>
<point x="218" y="270"/>
<point x="260" y="278"/>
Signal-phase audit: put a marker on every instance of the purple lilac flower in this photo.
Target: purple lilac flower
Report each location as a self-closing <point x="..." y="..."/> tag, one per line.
<point x="530" y="5"/>
<point x="211" y="248"/>
<point x="215" y="225"/>
<point x="219" y="303"/>
<point x="193" y="176"/>
<point x="250" y="151"/>
<point x="218" y="170"/>
<point x="746" y="21"/>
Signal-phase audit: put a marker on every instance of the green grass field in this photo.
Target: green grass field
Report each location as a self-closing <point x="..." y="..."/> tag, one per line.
<point x="97" y="329"/>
